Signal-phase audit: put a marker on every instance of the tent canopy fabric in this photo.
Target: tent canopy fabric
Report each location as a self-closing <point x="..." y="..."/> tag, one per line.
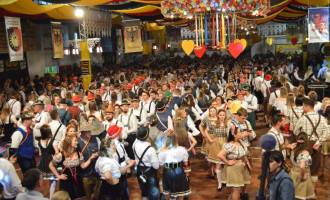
<point x="149" y="10"/>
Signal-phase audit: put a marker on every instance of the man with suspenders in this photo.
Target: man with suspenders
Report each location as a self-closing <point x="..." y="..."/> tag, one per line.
<point x="278" y="124"/>
<point x="139" y="112"/>
<point x="41" y="118"/>
<point x="129" y="121"/>
<point x="265" y="89"/>
<point x="147" y="104"/>
<point x="15" y="106"/>
<point x="110" y="120"/>
<point x="88" y="146"/>
<point x="147" y="165"/>
<point x="294" y="114"/>
<point x="24" y="143"/>
<point x="272" y="99"/>
<point x="314" y="125"/>
<point x="58" y="130"/>
<point x="122" y="158"/>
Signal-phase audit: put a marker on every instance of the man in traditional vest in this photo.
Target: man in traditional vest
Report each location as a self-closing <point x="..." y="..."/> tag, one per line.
<point x="105" y="96"/>
<point x="314" y="125"/>
<point x="88" y="146"/>
<point x="128" y="119"/>
<point x="24" y="143"/>
<point x="252" y="106"/>
<point x="164" y="119"/>
<point x="74" y="110"/>
<point x="42" y="117"/>
<point x="257" y="88"/>
<point x="65" y="115"/>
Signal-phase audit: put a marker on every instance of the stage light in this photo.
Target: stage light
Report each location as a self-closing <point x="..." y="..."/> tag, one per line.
<point x="90" y="50"/>
<point x="79" y="12"/>
<point x="66" y="52"/>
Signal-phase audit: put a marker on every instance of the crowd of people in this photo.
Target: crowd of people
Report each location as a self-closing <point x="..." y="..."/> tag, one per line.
<point x="135" y="121"/>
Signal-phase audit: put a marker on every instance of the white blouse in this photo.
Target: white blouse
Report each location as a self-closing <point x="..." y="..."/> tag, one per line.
<point x="174" y="155"/>
<point x="104" y="164"/>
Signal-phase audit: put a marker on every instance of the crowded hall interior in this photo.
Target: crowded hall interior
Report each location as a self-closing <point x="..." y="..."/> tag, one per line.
<point x="164" y="99"/>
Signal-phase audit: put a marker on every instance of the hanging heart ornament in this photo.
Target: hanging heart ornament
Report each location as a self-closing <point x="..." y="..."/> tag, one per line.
<point x="188" y="46"/>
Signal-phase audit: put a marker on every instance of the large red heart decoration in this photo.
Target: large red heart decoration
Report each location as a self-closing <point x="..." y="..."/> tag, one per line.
<point x="199" y="51"/>
<point x="235" y="49"/>
<point x="294" y="41"/>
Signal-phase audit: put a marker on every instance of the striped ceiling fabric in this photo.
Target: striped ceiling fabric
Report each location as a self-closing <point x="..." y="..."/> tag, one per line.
<point x="146" y="10"/>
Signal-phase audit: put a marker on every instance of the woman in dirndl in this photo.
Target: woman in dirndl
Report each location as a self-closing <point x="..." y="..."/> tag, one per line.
<point x="220" y="131"/>
<point x="113" y="187"/>
<point x="235" y="173"/>
<point x="207" y="124"/>
<point x="71" y="162"/>
<point x="300" y="172"/>
<point x="172" y="156"/>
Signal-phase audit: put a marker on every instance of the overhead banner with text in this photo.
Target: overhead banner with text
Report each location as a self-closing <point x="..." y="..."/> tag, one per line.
<point x="14" y="38"/>
<point x="318" y="25"/>
<point x="57" y="39"/>
<point x="132" y="36"/>
<point x="289" y="48"/>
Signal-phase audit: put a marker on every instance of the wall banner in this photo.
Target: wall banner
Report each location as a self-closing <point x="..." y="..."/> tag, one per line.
<point x="318" y="25"/>
<point x="132" y="36"/>
<point x="57" y="40"/>
<point x="14" y="38"/>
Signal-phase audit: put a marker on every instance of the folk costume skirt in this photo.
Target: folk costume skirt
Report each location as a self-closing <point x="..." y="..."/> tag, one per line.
<point x="214" y="150"/>
<point x="236" y="175"/>
<point x="175" y="181"/>
<point x="303" y="189"/>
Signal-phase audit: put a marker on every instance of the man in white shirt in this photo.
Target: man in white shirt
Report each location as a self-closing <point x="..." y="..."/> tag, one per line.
<point x="147" y="165"/>
<point x="129" y="121"/>
<point x="147" y="104"/>
<point x="42" y="117"/>
<point x="105" y="96"/>
<point x="139" y="112"/>
<point x="275" y="95"/>
<point x="252" y="106"/>
<point x="296" y="79"/>
<point x="33" y="181"/>
<point x="257" y="88"/>
<point x="15" y="106"/>
<point x="265" y="91"/>
<point x="12" y="185"/>
<point x="58" y="130"/>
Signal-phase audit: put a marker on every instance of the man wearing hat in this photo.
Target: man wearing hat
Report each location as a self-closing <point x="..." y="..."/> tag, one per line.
<point x="136" y="86"/>
<point x="147" y="104"/>
<point x="147" y="165"/>
<point x="129" y="88"/>
<point x="139" y="112"/>
<point x="240" y="98"/>
<point x="42" y="117"/>
<point x="265" y="89"/>
<point x="252" y="104"/>
<point x="121" y="157"/>
<point x="74" y="110"/>
<point x="88" y="146"/>
<point x="24" y="143"/>
<point x="164" y="119"/>
<point x="11" y="185"/>
<point x="65" y="116"/>
<point x="110" y="120"/>
<point x="129" y="121"/>
<point x="257" y="88"/>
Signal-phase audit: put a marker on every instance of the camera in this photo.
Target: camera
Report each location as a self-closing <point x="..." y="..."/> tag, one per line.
<point x="143" y="178"/>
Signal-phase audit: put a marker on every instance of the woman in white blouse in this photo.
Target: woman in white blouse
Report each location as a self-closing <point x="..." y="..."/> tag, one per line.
<point x="110" y="171"/>
<point x="175" y="182"/>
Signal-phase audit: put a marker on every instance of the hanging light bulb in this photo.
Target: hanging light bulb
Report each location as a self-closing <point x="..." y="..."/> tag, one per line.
<point x="90" y="50"/>
<point x="66" y="52"/>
